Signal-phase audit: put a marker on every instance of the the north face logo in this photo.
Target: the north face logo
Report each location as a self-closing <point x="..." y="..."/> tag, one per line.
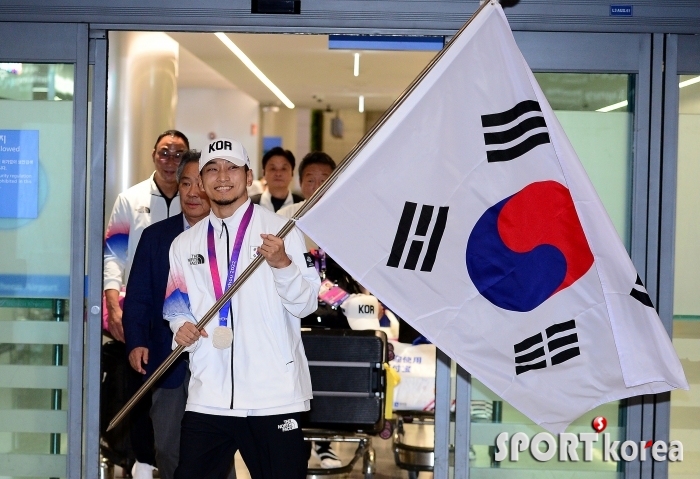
<point x="143" y="209"/>
<point x="288" y="425"/>
<point x="196" y="259"/>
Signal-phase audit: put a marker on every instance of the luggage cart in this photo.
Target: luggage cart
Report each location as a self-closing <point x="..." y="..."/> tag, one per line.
<point x="413" y="442"/>
<point x="364" y="450"/>
<point x="414" y="438"/>
<point x="349" y="388"/>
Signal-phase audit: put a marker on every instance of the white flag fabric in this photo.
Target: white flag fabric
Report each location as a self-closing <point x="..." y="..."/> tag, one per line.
<point x="469" y="214"/>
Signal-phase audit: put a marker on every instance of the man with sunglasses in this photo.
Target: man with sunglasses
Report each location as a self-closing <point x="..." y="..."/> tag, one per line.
<point x="134" y="210"/>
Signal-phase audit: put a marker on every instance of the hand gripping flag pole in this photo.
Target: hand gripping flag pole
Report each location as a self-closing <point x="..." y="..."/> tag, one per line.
<point x="247" y="273"/>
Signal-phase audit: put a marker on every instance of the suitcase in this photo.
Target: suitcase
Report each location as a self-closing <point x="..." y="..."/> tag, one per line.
<point x="347" y="378"/>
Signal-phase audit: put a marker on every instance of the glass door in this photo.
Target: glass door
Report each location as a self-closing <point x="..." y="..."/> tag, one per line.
<point x="596" y="111"/>
<point x="42" y="174"/>
<point x="685" y="405"/>
<point x="595" y="85"/>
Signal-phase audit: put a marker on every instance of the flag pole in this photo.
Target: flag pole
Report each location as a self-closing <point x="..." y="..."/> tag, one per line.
<point x="308" y="204"/>
<point x="383" y="119"/>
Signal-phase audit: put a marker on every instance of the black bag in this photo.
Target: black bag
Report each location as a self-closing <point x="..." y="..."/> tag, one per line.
<point x="347" y="378"/>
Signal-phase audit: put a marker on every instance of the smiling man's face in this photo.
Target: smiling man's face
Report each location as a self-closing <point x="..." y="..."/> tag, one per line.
<point x="166" y="157"/>
<point x="225" y="183"/>
<point x="194" y="202"/>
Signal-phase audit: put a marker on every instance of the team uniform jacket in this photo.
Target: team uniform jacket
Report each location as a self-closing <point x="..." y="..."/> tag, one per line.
<point x="134" y="210"/>
<point x="289" y="212"/>
<point x="265" y="199"/>
<point x="268" y="373"/>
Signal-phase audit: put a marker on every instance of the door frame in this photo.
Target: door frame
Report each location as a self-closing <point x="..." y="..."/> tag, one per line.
<point x="638" y="53"/>
<point x="65" y="43"/>
<point x="681" y="57"/>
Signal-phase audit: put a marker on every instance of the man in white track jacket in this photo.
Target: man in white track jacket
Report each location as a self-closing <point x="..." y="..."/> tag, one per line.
<point x="134" y="210"/>
<point x="246" y="392"/>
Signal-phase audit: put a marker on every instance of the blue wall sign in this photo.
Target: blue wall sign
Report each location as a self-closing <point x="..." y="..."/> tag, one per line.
<point x="19" y="173"/>
<point x="620" y="10"/>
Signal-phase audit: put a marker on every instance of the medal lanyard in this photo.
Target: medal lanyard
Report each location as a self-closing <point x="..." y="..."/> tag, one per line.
<point x="320" y="262"/>
<point x="214" y="267"/>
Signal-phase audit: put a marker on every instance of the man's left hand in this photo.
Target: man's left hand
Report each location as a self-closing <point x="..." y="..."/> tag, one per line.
<point x="273" y="251"/>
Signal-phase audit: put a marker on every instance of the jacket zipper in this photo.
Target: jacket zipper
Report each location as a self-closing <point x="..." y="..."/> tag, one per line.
<point x="167" y="203"/>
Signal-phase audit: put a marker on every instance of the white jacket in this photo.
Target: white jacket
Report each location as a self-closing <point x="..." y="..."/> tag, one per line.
<point x="289" y="211"/>
<point x="134" y="210"/>
<point x="269" y="364"/>
<point x="266" y="200"/>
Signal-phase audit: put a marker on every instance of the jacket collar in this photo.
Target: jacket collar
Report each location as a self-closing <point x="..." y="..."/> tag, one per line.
<point x="155" y="191"/>
<point x="232" y="221"/>
<point x="266" y="199"/>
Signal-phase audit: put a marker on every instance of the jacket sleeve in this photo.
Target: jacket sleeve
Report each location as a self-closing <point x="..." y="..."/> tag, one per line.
<point x="116" y="245"/>
<point x="298" y="283"/>
<point x="138" y="304"/>
<point x="176" y="307"/>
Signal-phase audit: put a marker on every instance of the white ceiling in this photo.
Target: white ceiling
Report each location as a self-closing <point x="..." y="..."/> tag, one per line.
<point x="194" y="73"/>
<point x="301" y="66"/>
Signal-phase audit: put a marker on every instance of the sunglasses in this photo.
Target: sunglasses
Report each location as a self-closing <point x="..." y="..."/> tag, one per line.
<point x="167" y="154"/>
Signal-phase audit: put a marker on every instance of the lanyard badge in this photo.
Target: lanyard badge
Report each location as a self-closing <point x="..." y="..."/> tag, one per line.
<point x="223" y="335"/>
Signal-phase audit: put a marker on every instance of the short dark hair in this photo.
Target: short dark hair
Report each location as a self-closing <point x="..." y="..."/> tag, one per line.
<point x="315" y="158"/>
<point x="175" y="133"/>
<point x="279" y="151"/>
<point x="190" y="156"/>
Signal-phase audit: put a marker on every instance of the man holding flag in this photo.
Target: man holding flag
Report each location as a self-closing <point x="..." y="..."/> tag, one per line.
<point x="509" y="262"/>
<point x="490" y="239"/>
<point x="249" y="375"/>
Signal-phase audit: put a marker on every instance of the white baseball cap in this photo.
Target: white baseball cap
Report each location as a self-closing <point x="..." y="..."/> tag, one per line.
<point x="226" y="149"/>
<point x="361" y="311"/>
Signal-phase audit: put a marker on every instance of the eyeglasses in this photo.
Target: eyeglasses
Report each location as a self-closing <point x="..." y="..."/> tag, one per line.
<point x="173" y="155"/>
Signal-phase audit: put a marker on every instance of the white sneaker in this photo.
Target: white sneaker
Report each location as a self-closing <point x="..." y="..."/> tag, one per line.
<point x="326" y="455"/>
<point x="142" y="471"/>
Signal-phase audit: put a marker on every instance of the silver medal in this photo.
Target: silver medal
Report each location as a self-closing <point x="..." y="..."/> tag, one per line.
<point x="222" y="337"/>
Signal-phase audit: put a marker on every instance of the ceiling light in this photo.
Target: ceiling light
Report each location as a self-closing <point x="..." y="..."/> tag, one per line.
<point x="362" y="104"/>
<point x="689" y="82"/>
<point x="614" y="106"/>
<point x="256" y="71"/>
<point x="356" y="68"/>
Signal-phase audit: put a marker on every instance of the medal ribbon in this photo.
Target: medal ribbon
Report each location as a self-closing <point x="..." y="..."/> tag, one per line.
<point x="213" y="265"/>
<point x="319" y="261"/>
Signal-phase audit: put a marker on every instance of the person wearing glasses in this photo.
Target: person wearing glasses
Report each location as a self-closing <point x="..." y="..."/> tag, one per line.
<point x="134" y="210"/>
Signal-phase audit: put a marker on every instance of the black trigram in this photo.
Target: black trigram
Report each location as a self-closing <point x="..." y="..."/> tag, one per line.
<point x="403" y="232"/>
<point x="530" y="353"/>
<point x="503" y="129"/>
<point x="640" y="294"/>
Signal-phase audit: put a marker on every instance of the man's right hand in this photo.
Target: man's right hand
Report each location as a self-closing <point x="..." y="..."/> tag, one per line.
<point x="137" y="357"/>
<point x="187" y="335"/>
<point x="114" y="314"/>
